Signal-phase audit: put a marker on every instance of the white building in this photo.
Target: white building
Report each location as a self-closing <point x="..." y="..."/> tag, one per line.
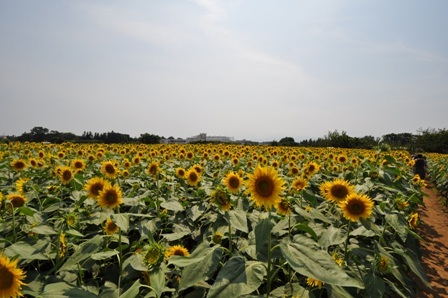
<point x="202" y="137"/>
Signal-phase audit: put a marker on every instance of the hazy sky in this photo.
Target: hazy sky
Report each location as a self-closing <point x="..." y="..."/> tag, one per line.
<point x="253" y="69"/>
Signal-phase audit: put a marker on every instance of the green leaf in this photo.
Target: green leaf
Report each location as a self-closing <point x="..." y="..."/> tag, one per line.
<point x="26" y="211"/>
<point x="332" y="236"/>
<point x="237" y="278"/>
<point x="103" y="255"/>
<point x="238" y="220"/>
<point x="196" y="256"/>
<point x="304" y="257"/>
<point x="414" y="264"/>
<point x="398" y="224"/>
<point x="26" y="251"/>
<point x="73" y="232"/>
<point x="172" y="205"/>
<point x="62" y="290"/>
<point x="84" y="252"/>
<point x="133" y="291"/>
<point x="201" y="270"/>
<point x="375" y="285"/>
<point x="262" y="232"/>
<point x="121" y="220"/>
<point x="157" y="278"/>
<point x="44" y="230"/>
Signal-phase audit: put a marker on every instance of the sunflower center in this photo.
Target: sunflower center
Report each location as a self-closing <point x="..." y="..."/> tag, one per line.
<point x="153" y="169"/>
<point x="67" y="175"/>
<point x="234" y="182"/>
<point x="178" y="252"/>
<point x="193" y="176"/>
<point x="17" y="201"/>
<point x="356" y="208"/>
<point x="7" y="278"/>
<point x="339" y="191"/>
<point x="264" y="186"/>
<point x="110" y="169"/>
<point x="96" y="188"/>
<point x="111" y="197"/>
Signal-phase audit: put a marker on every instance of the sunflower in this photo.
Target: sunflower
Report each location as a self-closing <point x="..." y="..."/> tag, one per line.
<point x="154" y="255"/>
<point x="110" y="196"/>
<point x="299" y="184"/>
<point x="153" y="168"/>
<point x="265" y="187"/>
<point x="193" y="177"/>
<point x="356" y="206"/>
<point x="18" y="165"/>
<point x="312" y="168"/>
<point x="110" y="227"/>
<point x="283" y="207"/>
<point x="109" y="170"/>
<point x="71" y="219"/>
<point x="180" y="172"/>
<point x="382" y="264"/>
<point x="16" y="199"/>
<point x="95" y="185"/>
<point x="78" y="165"/>
<point x="413" y="220"/>
<point x="336" y="190"/>
<point x="20" y="185"/>
<point x="217" y="238"/>
<point x="176" y="250"/>
<point x="220" y="198"/>
<point x="66" y="175"/>
<point x="11" y="278"/>
<point x="314" y="282"/>
<point x="62" y="245"/>
<point x="233" y="182"/>
<point x="293" y="170"/>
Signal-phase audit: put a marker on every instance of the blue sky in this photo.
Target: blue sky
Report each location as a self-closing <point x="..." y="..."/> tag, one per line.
<point x="254" y="69"/>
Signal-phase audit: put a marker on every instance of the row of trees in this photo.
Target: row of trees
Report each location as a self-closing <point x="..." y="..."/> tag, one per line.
<point x="426" y="140"/>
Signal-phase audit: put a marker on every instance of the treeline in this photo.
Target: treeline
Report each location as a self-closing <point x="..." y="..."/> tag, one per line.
<point x="426" y="140"/>
<point x="41" y="134"/>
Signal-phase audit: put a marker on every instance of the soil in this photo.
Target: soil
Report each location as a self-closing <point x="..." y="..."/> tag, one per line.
<point x="433" y="229"/>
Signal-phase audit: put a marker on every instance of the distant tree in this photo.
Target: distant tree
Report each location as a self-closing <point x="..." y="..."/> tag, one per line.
<point x="38" y="134"/>
<point x="150" y="138"/>
<point x="287" y="141"/>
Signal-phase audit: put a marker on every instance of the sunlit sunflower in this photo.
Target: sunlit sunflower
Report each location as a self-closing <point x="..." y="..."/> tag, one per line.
<point x="233" y="182"/>
<point x="176" y="250"/>
<point x="110" y="196"/>
<point x="62" y="245"/>
<point x="180" y="172"/>
<point x="16" y="199"/>
<point x="20" y="185"/>
<point x="197" y="168"/>
<point x="293" y="170"/>
<point x="413" y="220"/>
<point x="78" y="165"/>
<point x="283" y="207"/>
<point x="312" y="168"/>
<point x="221" y="199"/>
<point x="66" y="175"/>
<point x="18" y="165"/>
<point x="153" y="168"/>
<point x="314" y="282"/>
<point x="337" y="190"/>
<point x="356" y="206"/>
<point x="110" y="227"/>
<point x="95" y="185"/>
<point x="33" y="162"/>
<point x="265" y="187"/>
<point x="342" y="158"/>
<point x="11" y="278"/>
<point x="109" y="170"/>
<point x="192" y="177"/>
<point x="299" y="184"/>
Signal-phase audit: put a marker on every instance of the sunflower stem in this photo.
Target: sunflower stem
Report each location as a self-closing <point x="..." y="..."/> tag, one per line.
<point x="230" y="233"/>
<point x="269" y="260"/>
<point x="346" y="240"/>
<point x="120" y="260"/>
<point x="13" y="223"/>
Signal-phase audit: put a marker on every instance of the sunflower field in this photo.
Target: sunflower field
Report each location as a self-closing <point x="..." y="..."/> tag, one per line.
<point x="208" y="220"/>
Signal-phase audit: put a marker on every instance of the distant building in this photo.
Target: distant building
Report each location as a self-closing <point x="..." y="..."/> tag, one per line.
<point x="202" y="137"/>
<point x="173" y="141"/>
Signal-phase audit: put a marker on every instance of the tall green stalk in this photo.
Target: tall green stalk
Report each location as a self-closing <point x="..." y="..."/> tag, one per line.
<point x="269" y="259"/>
<point x="346" y="240"/>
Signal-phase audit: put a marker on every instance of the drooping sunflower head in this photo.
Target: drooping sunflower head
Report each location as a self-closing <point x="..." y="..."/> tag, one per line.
<point x="110" y="227"/>
<point x="109" y="170"/>
<point x="17" y="200"/>
<point x="154" y="255"/>
<point x="217" y="238"/>
<point x="11" y="278"/>
<point x="336" y="190"/>
<point x="176" y="250"/>
<point x="265" y="187"/>
<point x="62" y="245"/>
<point x="383" y="264"/>
<point x="71" y="219"/>
<point x="314" y="282"/>
<point x="110" y="196"/>
<point x="95" y="185"/>
<point x="153" y="168"/>
<point x="193" y="177"/>
<point x="356" y="206"/>
<point x="21" y="185"/>
<point x="413" y="220"/>
<point x="283" y="207"/>
<point x="233" y="182"/>
<point x="221" y="199"/>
